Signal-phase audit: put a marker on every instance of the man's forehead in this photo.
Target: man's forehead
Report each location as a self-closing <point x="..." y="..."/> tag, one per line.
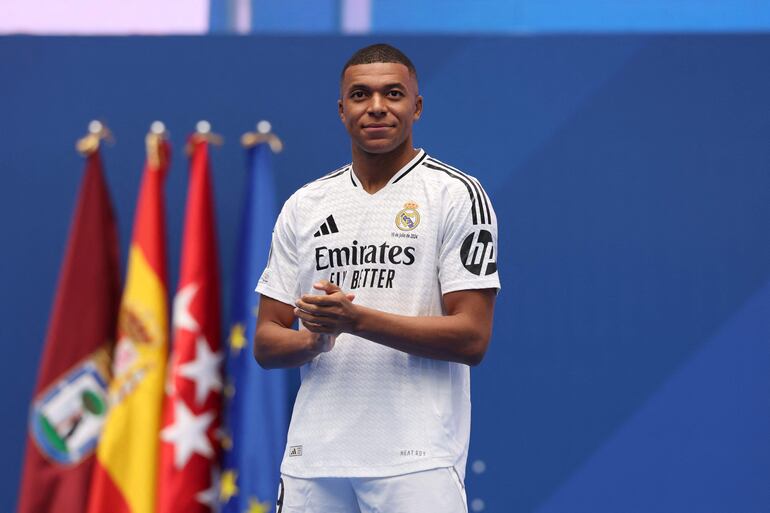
<point x="378" y="73"/>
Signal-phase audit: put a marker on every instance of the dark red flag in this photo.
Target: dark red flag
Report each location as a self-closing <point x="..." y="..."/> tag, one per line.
<point x="70" y="401"/>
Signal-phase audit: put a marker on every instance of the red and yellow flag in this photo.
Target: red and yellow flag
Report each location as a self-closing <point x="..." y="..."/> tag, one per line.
<point x="124" y="479"/>
<point x="70" y="400"/>
<point x="191" y="413"/>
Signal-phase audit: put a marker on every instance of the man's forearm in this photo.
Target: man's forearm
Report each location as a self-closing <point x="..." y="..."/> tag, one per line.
<point x="460" y="336"/>
<point x="452" y="337"/>
<point x="276" y="346"/>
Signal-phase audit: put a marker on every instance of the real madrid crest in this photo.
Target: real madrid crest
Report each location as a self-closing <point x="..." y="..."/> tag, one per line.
<point x="409" y="218"/>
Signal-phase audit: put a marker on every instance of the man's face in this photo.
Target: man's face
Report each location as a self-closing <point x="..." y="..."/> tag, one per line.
<point x="378" y="105"/>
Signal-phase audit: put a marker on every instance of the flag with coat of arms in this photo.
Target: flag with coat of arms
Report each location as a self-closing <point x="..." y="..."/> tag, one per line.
<point x="126" y="458"/>
<point x="70" y="403"/>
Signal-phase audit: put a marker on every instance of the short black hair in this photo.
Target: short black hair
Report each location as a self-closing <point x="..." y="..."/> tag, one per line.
<point x="380" y="52"/>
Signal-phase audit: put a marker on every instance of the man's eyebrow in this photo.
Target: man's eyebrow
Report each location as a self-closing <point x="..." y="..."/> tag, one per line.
<point x="365" y="87"/>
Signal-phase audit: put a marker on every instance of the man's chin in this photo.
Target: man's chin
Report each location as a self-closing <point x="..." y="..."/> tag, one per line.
<point x="378" y="146"/>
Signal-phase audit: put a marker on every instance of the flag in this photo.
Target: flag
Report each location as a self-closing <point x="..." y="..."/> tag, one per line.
<point x="124" y="479"/>
<point x="70" y="401"/>
<point x="191" y="412"/>
<point x="256" y="412"/>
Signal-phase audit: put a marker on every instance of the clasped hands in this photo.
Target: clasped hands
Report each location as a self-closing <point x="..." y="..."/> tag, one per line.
<point x="327" y="315"/>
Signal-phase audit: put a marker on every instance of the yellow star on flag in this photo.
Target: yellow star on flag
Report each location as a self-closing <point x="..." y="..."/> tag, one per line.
<point x="237" y="338"/>
<point x="258" y="507"/>
<point x="229" y="390"/>
<point x="227" y="485"/>
<point x="227" y="442"/>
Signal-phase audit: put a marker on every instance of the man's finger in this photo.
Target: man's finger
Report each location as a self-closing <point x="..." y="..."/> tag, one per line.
<point x="309" y="317"/>
<point x="312" y="309"/>
<point x="320" y="300"/>
<point x="326" y="286"/>
<point x="317" y="328"/>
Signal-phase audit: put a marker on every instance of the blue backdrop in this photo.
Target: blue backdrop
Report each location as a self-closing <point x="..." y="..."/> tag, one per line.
<point x="630" y="366"/>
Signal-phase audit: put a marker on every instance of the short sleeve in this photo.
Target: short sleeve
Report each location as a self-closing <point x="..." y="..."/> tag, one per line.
<point x="279" y="279"/>
<point x="468" y="254"/>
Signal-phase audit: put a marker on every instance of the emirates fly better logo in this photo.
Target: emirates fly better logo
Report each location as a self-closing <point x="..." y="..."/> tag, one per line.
<point x="478" y="253"/>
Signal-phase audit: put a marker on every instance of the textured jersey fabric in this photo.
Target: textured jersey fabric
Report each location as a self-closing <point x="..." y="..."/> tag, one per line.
<point x="363" y="409"/>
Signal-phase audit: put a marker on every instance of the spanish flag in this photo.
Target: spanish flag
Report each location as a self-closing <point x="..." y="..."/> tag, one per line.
<point x="124" y="479"/>
<point x="70" y="401"/>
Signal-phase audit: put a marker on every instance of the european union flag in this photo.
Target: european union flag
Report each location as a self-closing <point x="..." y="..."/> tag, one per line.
<point x="256" y="412"/>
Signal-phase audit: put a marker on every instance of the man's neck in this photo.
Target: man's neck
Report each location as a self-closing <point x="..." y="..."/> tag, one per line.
<point x="374" y="170"/>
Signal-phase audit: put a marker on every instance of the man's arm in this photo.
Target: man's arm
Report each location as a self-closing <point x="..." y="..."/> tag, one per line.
<point x="462" y="335"/>
<point x="276" y="344"/>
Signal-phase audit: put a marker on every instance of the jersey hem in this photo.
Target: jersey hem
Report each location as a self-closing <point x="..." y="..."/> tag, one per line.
<point x="394" y="470"/>
<point x="278" y="295"/>
<point x="470" y="285"/>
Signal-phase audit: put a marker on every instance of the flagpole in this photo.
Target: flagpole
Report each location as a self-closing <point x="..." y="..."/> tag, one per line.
<point x="156" y="156"/>
<point x="125" y="471"/>
<point x="256" y="416"/>
<point x="263" y="134"/>
<point x="97" y="131"/>
<point x="74" y="367"/>
<point x="192" y="406"/>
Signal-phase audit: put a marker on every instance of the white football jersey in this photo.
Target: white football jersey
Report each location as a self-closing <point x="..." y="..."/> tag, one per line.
<point x="364" y="409"/>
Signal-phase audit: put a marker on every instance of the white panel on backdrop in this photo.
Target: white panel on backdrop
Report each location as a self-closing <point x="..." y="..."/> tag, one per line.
<point x="356" y="16"/>
<point x="104" y="17"/>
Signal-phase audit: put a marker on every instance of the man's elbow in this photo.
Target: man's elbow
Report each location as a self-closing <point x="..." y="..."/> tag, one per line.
<point x="261" y="353"/>
<point x="476" y="349"/>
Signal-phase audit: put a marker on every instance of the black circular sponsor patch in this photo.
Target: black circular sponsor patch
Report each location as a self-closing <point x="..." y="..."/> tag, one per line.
<point x="478" y="253"/>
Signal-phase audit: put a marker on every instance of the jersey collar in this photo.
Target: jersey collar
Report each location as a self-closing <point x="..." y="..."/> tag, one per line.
<point x="409" y="167"/>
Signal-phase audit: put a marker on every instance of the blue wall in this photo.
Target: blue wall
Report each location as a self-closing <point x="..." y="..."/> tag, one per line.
<point x="630" y="365"/>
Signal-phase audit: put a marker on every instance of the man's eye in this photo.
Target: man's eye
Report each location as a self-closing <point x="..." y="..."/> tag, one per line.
<point x="357" y="94"/>
<point x="395" y="94"/>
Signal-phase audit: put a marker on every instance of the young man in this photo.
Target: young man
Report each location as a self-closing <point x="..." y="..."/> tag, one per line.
<point x="390" y="265"/>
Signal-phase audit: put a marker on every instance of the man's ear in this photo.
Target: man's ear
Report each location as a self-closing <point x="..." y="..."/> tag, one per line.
<point x="340" y="111"/>
<point x="418" y="108"/>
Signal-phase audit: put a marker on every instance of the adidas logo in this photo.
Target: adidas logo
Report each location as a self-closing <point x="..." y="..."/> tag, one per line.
<point x="328" y="227"/>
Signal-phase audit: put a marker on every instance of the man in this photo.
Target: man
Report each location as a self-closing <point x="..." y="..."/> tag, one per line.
<point x="390" y="265"/>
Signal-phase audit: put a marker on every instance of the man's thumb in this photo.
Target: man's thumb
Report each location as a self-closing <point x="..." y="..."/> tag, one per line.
<point x="326" y="286"/>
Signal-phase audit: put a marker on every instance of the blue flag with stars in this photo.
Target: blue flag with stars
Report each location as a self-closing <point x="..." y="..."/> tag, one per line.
<point x="256" y="411"/>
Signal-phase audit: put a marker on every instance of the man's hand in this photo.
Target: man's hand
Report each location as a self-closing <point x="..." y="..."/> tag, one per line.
<point x="328" y="314"/>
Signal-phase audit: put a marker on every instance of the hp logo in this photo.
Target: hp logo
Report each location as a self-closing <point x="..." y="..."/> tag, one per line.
<point x="478" y="253"/>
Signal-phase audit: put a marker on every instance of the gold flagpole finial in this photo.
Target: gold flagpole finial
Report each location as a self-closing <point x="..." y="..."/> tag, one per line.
<point x="203" y="132"/>
<point x="153" y="140"/>
<point x="263" y="134"/>
<point x="97" y="130"/>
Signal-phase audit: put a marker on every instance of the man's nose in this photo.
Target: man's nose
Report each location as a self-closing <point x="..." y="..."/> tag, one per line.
<point x="377" y="106"/>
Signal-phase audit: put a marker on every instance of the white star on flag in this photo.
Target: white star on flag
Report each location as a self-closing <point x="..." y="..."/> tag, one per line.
<point x="188" y="434"/>
<point x="210" y="496"/>
<point x="204" y="370"/>
<point x="182" y="316"/>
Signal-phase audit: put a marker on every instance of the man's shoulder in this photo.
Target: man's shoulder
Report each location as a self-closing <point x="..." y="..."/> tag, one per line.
<point x="327" y="180"/>
<point x="317" y="189"/>
<point x="450" y="177"/>
<point x="445" y="171"/>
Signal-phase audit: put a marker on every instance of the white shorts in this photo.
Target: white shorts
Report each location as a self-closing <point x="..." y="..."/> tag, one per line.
<point x="438" y="490"/>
